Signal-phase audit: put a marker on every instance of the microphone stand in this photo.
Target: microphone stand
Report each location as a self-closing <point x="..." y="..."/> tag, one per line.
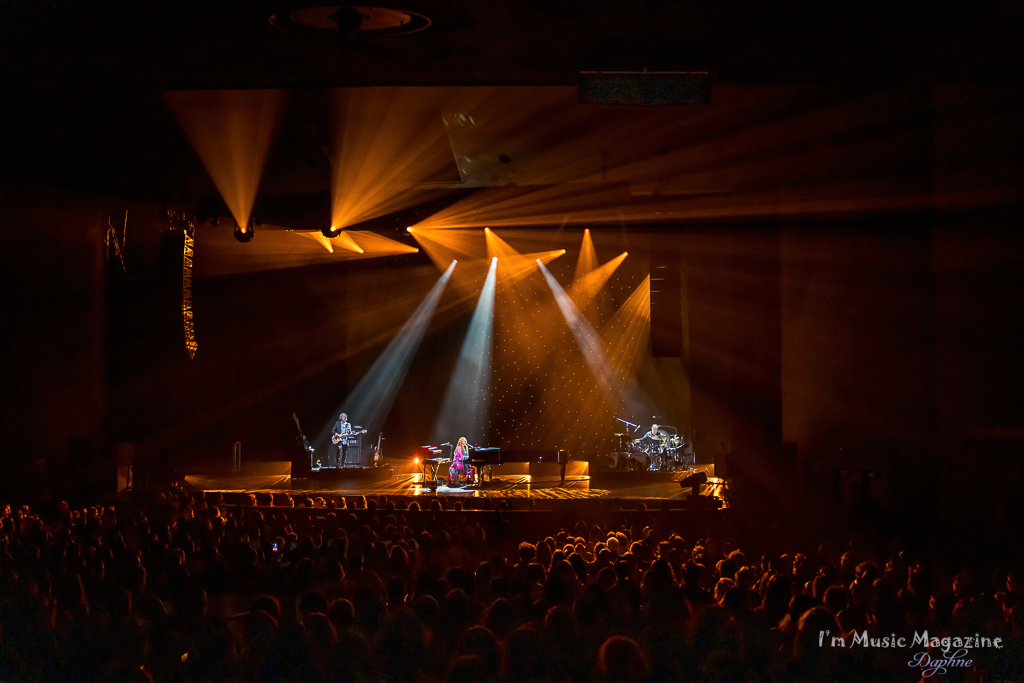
<point x="627" y="423"/>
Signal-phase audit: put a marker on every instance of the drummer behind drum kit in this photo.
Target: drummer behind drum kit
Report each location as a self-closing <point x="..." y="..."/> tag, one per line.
<point x="663" y="453"/>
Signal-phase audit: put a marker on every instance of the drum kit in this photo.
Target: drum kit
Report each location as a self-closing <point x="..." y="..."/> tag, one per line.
<point x="660" y="453"/>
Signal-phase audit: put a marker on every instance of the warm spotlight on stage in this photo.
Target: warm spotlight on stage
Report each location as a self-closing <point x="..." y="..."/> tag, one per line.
<point x="340" y="237"/>
<point x="588" y="257"/>
<point x="586" y="287"/>
<point x="444" y="245"/>
<point x="345" y="241"/>
<point x="385" y="141"/>
<point x="232" y="131"/>
<point x="514" y="264"/>
<point x="245" y="232"/>
<point x="586" y="336"/>
<point x="628" y="332"/>
<point x="374" y="244"/>
<point x="620" y="390"/>
<point x="467" y="399"/>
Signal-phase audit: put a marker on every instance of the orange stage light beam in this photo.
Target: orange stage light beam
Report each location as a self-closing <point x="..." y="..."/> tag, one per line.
<point x="588" y="257"/>
<point x="360" y="243"/>
<point x="513" y="265"/>
<point x="444" y="245"/>
<point x="319" y="238"/>
<point x="755" y="152"/>
<point x="372" y="243"/>
<point x="465" y="246"/>
<point x="232" y="131"/>
<point x="516" y="267"/>
<point x="583" y="290"/>
<point x="627" y="332"/>
<point x="345" y="241"/>
<point x="384" y="141"/>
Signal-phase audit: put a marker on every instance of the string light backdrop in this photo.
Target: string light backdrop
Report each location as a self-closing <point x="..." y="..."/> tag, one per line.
<point x="545" y="395"/>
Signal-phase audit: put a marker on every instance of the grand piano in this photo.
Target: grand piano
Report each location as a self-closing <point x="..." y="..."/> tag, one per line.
<point x="483" y="460"/>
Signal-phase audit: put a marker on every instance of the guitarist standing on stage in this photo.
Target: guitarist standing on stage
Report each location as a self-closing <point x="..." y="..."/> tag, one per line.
<point x="340" y="432"/>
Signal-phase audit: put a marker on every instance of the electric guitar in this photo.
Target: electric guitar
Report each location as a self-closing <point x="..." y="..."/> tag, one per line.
<point x="378" y="458"/>
<point x="336" y="438"/>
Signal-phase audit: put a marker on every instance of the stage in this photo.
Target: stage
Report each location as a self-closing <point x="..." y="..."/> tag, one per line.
<point x="402" y="479"/>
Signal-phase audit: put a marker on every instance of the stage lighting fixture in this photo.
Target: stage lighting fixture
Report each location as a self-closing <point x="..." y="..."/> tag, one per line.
<point x="245" y="233"/>
<point x="694" y="482"/>
<point x="330" y="231"/>
<point x="349" y="19"/>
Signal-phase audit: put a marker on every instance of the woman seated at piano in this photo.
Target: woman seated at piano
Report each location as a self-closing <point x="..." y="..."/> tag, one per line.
<point x="460" y="463"/>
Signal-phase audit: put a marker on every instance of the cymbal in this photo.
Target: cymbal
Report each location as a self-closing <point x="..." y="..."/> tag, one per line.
<point x="619" y="434"/>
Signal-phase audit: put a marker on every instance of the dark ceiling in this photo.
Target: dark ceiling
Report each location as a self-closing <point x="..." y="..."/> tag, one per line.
<point x="200" y="44"/>
<point x="81" y="83"/>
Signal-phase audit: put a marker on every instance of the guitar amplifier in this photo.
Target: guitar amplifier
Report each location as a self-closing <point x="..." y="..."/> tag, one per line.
<point x="354" y="450"/>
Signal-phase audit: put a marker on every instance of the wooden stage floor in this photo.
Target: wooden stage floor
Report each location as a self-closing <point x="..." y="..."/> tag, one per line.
<point x="628" y="485"/>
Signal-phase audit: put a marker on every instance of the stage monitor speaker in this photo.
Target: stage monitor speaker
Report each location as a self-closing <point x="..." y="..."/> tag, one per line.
<point x="645" y="88"/>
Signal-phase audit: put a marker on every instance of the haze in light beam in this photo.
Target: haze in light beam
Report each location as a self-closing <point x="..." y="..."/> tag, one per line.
<point x="627" y="332"/>
<point x="444" y="245"/>
<point x="586" y="288"/>
<point x="586" y="336"/>
<point x="621" y="391"/>
<point x="511" y="264"/>
<point x="319" y="238"/>
<point x="756" y="152"/>
<point x="385" y="140"/>
<point x="588" y="257"/>
<point x="232" y="131"/>
<point x="371" y="243"/>
<point x="467" y="399"/>
<point x="345" y="241"/>
<point x="371" y="400"/>
<point x="356" y="243"/>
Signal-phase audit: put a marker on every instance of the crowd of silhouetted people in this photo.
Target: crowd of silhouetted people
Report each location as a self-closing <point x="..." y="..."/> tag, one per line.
<point x="187" y="587"/>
